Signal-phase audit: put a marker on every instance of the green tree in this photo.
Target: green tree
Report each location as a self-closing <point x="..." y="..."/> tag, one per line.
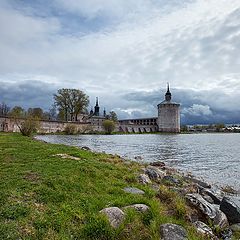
<point x="71" y="102"/>
<point x="113" y="116"/>
<point x="17" y="112"/>
<point x="109" y="126"/>
<point x="35" y="112"/>
<point x="219" y="126"/>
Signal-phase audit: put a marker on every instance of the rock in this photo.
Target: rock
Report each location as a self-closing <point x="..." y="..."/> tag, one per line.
<point x="154" y="173"/>
<point x="171" y="179"/>
<point x="199" y="182"/>
<point x="138" y="207"/>
<point x="85" y="148"/>
<point x="170" y="231"/>
<point x="138" y="158"/>
<point x="208" y="210"/>
<point x="144" y="179"/>
<point x="208" y="198"/>
<point x="235" y="227"/>
<point x="66" y="156"/>
<point x="214" y="196"/>
<point x="115" y="216"/>
<point x="203" y="228"/>
<point x="231" y="209"/>
<point x="133" y="190"/>
<point x="226" y="234"/>
<point x="158" y="164"/>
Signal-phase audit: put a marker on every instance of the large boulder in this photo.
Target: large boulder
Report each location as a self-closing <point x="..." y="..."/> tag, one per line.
<point x="138" y="207"/>
<point x="115" y="216"/>
<point x="231" y="209"/>
<point x="208" y="210"/>
<point x="198" y="182"/>
<point x="154" y="173"/>
<point x="144" y="179"/>
<point x="171" y="231"/>
<point x="133" y="190"/>
<point x="203" y="228"/>
<point x="214" y="196"/>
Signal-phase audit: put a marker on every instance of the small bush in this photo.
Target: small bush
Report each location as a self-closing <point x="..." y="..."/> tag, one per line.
<point x="109" y="126"/>
<point x="29" y="126"/>
<point x="70" y="129"/>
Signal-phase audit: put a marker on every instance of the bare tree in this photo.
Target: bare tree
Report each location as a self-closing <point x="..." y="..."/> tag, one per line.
<point x="4" y="109"/>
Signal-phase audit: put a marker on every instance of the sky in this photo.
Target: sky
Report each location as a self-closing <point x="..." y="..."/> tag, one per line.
<point x="124" y="52"/>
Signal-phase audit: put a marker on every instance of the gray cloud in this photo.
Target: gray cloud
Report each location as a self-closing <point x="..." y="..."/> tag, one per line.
<point x="28" y="94"/>
<point x="193" y="45"/>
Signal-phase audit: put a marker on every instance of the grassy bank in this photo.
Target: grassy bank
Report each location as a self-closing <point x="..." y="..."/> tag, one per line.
<point x="43" y="196"/>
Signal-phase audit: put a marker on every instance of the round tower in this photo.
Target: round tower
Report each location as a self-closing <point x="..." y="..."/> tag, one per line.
<point x="168" y="114"/>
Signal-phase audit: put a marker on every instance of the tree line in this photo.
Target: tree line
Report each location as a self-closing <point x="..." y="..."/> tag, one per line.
<point x="68" y="104"/>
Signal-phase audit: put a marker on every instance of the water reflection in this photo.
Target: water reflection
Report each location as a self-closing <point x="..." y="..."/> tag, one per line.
<point x="212" y="156"/>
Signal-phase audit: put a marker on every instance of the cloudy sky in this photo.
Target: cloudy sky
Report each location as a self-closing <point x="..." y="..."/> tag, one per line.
<point x="124" y="51"/>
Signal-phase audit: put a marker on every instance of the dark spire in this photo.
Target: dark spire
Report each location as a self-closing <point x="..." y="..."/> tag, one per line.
<point x="104" y="112"/>
<point x="96" y="108"/>
<point x="91" y="112"/>
<point x="168" y="94"/>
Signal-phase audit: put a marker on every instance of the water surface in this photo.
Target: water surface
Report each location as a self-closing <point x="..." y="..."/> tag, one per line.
<point x="214" y="157"/>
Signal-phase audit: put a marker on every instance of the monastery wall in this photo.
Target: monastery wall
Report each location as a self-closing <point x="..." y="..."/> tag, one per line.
<point x="8" y="124"/>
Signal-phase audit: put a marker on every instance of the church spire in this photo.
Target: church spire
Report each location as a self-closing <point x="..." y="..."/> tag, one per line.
<point x="96" y="108"/>
<point x="168" y="94"/>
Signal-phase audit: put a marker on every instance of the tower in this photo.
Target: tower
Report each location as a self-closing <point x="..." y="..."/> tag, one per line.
<point x="168" y="114"/>
<point x="96" y="108"/>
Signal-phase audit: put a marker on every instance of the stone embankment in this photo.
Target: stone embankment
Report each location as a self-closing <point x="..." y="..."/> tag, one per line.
<point x="211" y="212"/>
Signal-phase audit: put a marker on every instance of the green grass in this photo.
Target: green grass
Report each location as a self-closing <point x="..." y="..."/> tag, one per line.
<point x="46" y="197"/>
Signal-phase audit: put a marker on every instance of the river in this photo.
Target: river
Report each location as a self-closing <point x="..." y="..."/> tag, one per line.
<point x="213" y="157"/>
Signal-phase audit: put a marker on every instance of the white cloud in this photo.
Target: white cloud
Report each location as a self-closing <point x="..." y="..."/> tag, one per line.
<point x="197" y="110"/>
<point x="194" y="45"/>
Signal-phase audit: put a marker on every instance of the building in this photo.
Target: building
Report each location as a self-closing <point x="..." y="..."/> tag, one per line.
<point x="168" y="114"/>
<point x="168" y="119"/>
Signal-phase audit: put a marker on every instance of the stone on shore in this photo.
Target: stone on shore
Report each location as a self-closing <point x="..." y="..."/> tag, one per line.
<point x="86" y="148"/>
<point x="154" y="173"/>
<point x="158" y="164"/>
<point x="144" y="179"/>
<point x="171" y="231"/>
<point x="115" y="216"/>
<point x="215" y="197"/>
<point x="138" y="207"/>
<point x="231" y="209"/>
<point x="133" y="190"/>
<point x="208" y="210"/>
<point x="172" y="180"/>
<point x="199" y="182"/>
<point x="203" y="228"/>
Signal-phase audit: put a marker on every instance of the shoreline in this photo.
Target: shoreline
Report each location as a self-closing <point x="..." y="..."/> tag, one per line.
<point x="103" y="182"/>
<point x="229" y="188"/>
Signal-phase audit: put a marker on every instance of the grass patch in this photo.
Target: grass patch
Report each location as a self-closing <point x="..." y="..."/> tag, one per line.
<point x="45" y="196"/>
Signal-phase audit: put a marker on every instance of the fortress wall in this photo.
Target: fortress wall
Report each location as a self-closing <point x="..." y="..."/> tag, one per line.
<point x="8" y="124"/>
<point x="131" y="128"/>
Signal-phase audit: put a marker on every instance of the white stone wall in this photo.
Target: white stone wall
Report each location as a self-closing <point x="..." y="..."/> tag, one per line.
<point x="168" y="117"/>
